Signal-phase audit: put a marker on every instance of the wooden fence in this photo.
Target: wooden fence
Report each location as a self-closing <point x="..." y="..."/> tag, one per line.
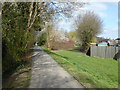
<point x="104" y="51"/>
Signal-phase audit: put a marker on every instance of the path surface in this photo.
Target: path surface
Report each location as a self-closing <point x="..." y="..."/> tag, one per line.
<point x="47" y="73"/>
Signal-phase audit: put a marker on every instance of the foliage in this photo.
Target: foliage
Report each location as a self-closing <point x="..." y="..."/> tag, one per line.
<point x="88" y="27"/>
<point x="92" y="72"/>
<point x="53" y="36"/>
<point x="49" y="29"/>
<point x="73" y="36"/>
<point x="20" y="20"/>
<point x="18" y="31"/>
<point x="51" y="10"/>
<point x="42" y="39"/>
<point x="57" y="39"/>
<point x="94" y="40"/>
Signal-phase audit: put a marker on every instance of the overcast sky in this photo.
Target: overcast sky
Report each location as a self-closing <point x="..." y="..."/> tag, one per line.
<point x="107" y="11"/>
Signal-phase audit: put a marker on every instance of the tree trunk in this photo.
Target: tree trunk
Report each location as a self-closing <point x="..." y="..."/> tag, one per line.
<point x="85" y="47"/>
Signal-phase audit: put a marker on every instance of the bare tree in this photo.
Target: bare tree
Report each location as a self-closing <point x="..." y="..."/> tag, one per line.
<point x="53" y="36"/>
<point x="88" y="27"/>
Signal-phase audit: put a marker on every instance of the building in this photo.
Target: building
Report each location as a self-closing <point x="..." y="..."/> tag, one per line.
<point x="107" y="42"/>
<point x="117" y="40"/>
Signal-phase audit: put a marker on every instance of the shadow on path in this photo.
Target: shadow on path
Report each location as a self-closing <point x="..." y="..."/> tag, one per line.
<point x="47" y="73"/>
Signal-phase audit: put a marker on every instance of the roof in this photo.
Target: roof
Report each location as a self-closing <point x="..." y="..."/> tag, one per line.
<point x="104" y="40"/>
<point x="112" y="43"/>
<point x="117" y="39"/>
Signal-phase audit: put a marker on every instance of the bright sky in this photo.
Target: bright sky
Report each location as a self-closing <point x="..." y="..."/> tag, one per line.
<point x="107" y="11"/>
<point x="109" y="15"/>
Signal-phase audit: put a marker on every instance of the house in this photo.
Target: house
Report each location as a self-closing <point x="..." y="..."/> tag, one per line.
<point x="112" y="44"/>
<point x="117" y="40"/>
<point x="107" y="42"/>
<point x="104" y="42"/>
<point x="93" y="44"/>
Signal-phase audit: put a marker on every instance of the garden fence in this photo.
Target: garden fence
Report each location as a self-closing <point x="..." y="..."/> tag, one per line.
<point x="104" y="51"/>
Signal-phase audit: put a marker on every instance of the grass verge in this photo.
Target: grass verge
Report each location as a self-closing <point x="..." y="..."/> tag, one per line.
<point x="20" y="77"/>
<point x="91" y="72"/>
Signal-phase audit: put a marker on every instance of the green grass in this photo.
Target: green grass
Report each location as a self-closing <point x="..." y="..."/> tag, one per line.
<point x="91" y="72"/>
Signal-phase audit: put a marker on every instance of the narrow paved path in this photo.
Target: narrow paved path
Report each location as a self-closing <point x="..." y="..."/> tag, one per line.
<point x="47" y="73"/>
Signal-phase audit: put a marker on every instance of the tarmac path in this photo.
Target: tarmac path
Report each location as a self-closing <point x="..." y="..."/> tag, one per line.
<point x="47" y="73"/>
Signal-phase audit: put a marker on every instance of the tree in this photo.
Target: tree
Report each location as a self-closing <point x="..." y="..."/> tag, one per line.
<point x="42" y="39"/>
<point x="52" y="10"/>
<point x="73" y="35"/>
<point x="19" y="24"/>
<point x="53" y="36"/>
<point x="88" y="27"/>
<point x="94" y="40"/>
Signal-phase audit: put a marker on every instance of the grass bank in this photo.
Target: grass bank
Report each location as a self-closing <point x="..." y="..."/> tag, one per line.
<point x="91" y="72"/>
<point x="20" y="76"/>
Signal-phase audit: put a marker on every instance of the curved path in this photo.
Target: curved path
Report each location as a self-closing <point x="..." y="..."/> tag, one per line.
<point x="47" y="73"/>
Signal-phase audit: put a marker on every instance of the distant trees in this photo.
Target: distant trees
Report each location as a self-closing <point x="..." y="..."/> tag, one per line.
<point x="49" y="33"/>
<point x="73" y="36"/>
<point x="42" y="39"/>
<point x="88" y="27"/>
<point x="20" y="20"/>
<point x="53" y="37"/>
<point x="94" y="40"/>
<point x="50" y="12"/>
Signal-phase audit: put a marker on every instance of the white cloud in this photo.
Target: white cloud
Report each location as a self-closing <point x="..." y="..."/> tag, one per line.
<point x="101" y="14"/>
<point x="109" y="32"/>
<point x="98" y="8"/>
<point x="102" y="0"/>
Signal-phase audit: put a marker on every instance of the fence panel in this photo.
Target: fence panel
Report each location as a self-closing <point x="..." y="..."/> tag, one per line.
<point x="103" y="51"/>
<point x="93" y="51"/>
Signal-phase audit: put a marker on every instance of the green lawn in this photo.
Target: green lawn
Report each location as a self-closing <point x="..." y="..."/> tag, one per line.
<point x="91" y="72"/>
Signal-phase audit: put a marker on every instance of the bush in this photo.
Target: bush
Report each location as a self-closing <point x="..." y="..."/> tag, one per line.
<point x="16" y="38"/>
<point x="42" y="39"/>
<point x="63" y="45"/>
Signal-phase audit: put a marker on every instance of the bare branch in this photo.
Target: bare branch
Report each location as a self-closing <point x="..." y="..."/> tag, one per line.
<point x="34" y="16"/>
<point x="30" y="10"/>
